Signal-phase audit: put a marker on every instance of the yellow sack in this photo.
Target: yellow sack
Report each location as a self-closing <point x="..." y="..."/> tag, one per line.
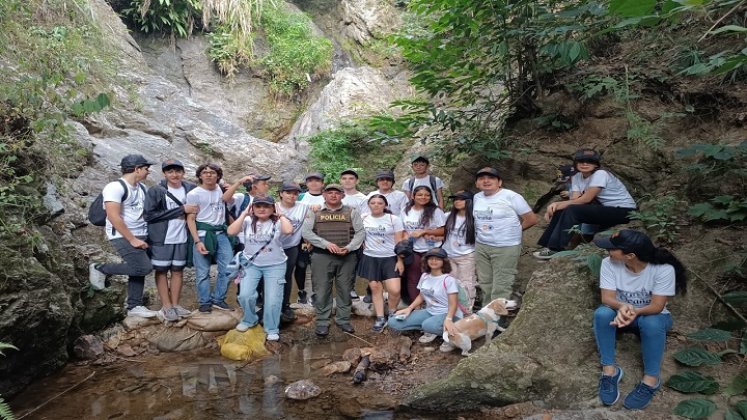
<point x="243" y="345"/>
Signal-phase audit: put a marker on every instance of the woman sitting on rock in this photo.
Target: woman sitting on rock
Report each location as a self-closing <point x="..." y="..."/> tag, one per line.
<point x="440" y="293"/>
<point x="636" y="280"/>
<point x="379" y="264"/>
<point x="597" y="198"/>
<point x="262" y="257"/>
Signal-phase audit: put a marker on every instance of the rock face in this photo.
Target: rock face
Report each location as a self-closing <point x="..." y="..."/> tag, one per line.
<point x="365" y="20"/>
<point x="352" y="93"/>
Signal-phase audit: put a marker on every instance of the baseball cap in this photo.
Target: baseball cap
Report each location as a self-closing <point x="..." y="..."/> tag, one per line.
<point x="172" y="163"/>
<point x="262" y="177"/>
<point x="290" y="186"/>
<point x="385" y="174"/>
<point x="264" y="200"/>
<point x="334" y="187"/>
<point x="317" y="175"/>
<point x="133" y="161"/>
<point x="587" y="155"/>
<point x="350" y="171"/>
<point x="421" y="159"/>
<point x="628" y="241"/>
<point x="488" y="171"/>
<point x="436" y="252"/>
<point x="462" y="195"/>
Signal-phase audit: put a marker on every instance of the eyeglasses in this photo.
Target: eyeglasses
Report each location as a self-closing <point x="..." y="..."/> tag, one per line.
<point x="208" y="173"/>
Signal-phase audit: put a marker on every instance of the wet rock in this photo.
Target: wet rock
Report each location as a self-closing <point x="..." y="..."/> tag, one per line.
<point x="102" y="308"/>
<point x="318" y="364"/>
<point x="88" y="347"/>
<point x="302" y="390"/>
<point x="366" y="20"/>
<point x="272" y="380"/>
<point x="348" y="407"/>
<point x="214" y="321"/>
<point x="405" y="344"/>
<point x="336" y="367"/>
<point x="352" y="355"/>
<point x="51" y="203"/>
<point x="126" y="350"/>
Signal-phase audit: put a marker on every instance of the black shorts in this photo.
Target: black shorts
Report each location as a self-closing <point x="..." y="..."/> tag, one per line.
<point x="377" y="269"/>
<point x="167" y="257"/>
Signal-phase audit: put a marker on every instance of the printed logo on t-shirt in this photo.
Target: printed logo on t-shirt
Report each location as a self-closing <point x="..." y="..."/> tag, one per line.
<point x="638" y="298"/>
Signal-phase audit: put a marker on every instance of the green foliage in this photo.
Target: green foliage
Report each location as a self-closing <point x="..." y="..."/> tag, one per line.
<point x="332" y="151"/>
<point x="5" y="411"/>
<point x="690" y="381"/>
<point x="166" y="16"/>
<point x="595" y="86"/>
<point x="696" y="356"/>
<point x="228" y="50"/>
<point x="737" y="386"/>
<point x="586" y="255"/>
<point x="710" y="334"/>
<point x="741" y="408"/>
<point x="696" y="408"/>
<point x="660" y="217"/>
<point x="721" y="208"/>
<point x="737" y="299"/>
<point x="296" y="54"/>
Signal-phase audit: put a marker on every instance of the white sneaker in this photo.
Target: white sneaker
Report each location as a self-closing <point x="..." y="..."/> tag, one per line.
<point x="243" y="327"/>
<point x="181" y="311"/>
<point x="96" y="277"/>
<point x="273" y="337"/>
<point x="142" y="312"/>
<point x="447" y="347"/>
<point x="427" y="338"/>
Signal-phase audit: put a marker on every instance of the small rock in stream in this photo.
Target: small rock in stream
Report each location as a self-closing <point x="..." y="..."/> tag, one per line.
<point x="352" y="355"/>
<point x="126" y="350"/>
<point x="302" y="390"/>
<point x="88" y="347"/>
<point x="337" y="367"/>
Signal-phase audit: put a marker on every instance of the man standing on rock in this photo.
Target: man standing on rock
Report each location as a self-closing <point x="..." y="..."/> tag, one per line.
<point x="165" y="213"/>
<point x="208" y="230"/>
<point x="336" y="232"/>
<point x="500" y="217"/>
<point x="127" y="231"/>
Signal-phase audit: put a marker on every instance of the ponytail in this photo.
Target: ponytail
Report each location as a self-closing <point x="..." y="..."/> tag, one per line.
<point x="664" y="256"/>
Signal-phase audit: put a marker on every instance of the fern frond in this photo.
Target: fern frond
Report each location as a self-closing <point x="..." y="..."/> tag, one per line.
<point x="5" y="412"/>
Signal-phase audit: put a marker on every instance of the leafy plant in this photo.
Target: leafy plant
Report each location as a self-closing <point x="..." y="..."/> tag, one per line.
<point x="597" y="85"/>
<point x="5" y="412"/>
<point x="690" y="381"/>
<point x="697" y="356"/>
<point x="723" y="207"/>
<point x="167" y="16"/>
<point x="698" y="408"/>
<point x="659" y="215"/>
<point x="228" y="50"/>
<point x="710" y="334"/>
<point x="586" y="255"/>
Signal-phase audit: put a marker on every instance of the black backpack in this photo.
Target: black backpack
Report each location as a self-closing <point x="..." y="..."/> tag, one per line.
<point x="432" y="180"/>
<point x="97" y="214"/>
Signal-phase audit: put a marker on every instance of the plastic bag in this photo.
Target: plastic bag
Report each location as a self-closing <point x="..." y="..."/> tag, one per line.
<point x="243" y="345"/>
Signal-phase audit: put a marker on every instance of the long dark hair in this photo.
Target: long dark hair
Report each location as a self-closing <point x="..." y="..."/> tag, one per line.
<point x="274" y="217"/>
<point x="664" y="256"/>
<point x="386" y="202"/>
<point x="428" y="210"/>
<point x="424" y="268"/>
<point x="469" y="222"/>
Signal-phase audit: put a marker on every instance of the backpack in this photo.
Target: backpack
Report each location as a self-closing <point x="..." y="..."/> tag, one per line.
<point x="462" y="296"/>
<point x="97" y="213"/>
<point x="432" y="179"/>
<point x="244" y="204"/>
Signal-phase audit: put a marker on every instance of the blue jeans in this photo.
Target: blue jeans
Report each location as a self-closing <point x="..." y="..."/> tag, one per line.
<point x="223" y="256"/>
<point x="420" y="319"/>
<point x="653" y="332"/>
<point x="274" y="276"/>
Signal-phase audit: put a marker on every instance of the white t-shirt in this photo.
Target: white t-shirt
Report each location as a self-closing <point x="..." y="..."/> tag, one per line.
<point x="296" y="215"/>
<point x="397" y="200"/>
<point x="455" y="243"/>
<point x="380" y="234"/>
<point x="613" y="192"/>
<point x="131" y="210"/>
<point x="311" y="199"/>
<point x="212" y="208"/>
<point x="637" y="288"/>
<point x="235" y="204"/>
<point x="176" y="233"/>
<point x="436" y="295"/>
<point x="273" y="253"/>
<point x="357" y="201"/>
<point x="411" y="221"/>
<point x="426" y="180"/>
<point x="497" y="220"/>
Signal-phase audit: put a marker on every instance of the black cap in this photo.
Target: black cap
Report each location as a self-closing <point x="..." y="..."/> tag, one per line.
<point x="317" y="175"/>
<point x="462" y="195"/>
<point x="337" y="187"/>
<point x="421" y="159"/>
<point x="630" y="242"/>
<point x="134" y="161"/>
<point x="350" y="171"/>
<point x="264" y="200"/>
<point x="436" y="252"/>
<point x="385" y="174"/>
<point x="290" y="186"/>
<point x="488" y="171"/>
<point x="262" y="178"/>
<point x="587" y="155"/>
<point x="172" y="163"/>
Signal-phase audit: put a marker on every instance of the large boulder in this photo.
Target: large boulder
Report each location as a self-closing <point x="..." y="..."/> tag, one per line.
<point x="366" y="20"/>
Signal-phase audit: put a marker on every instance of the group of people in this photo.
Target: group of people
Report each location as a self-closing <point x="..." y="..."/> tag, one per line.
<point x="398" y="240"/>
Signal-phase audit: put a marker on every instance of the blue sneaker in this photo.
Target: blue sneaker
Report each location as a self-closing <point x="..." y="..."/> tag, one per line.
<point x="640" y="396"/>
<point x="609" y="392"/>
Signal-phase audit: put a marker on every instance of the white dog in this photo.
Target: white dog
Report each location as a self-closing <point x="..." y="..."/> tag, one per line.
<point x="482" y="323"/>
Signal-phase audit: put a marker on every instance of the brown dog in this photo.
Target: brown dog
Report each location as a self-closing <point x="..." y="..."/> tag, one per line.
<point x="482" y="323"/>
